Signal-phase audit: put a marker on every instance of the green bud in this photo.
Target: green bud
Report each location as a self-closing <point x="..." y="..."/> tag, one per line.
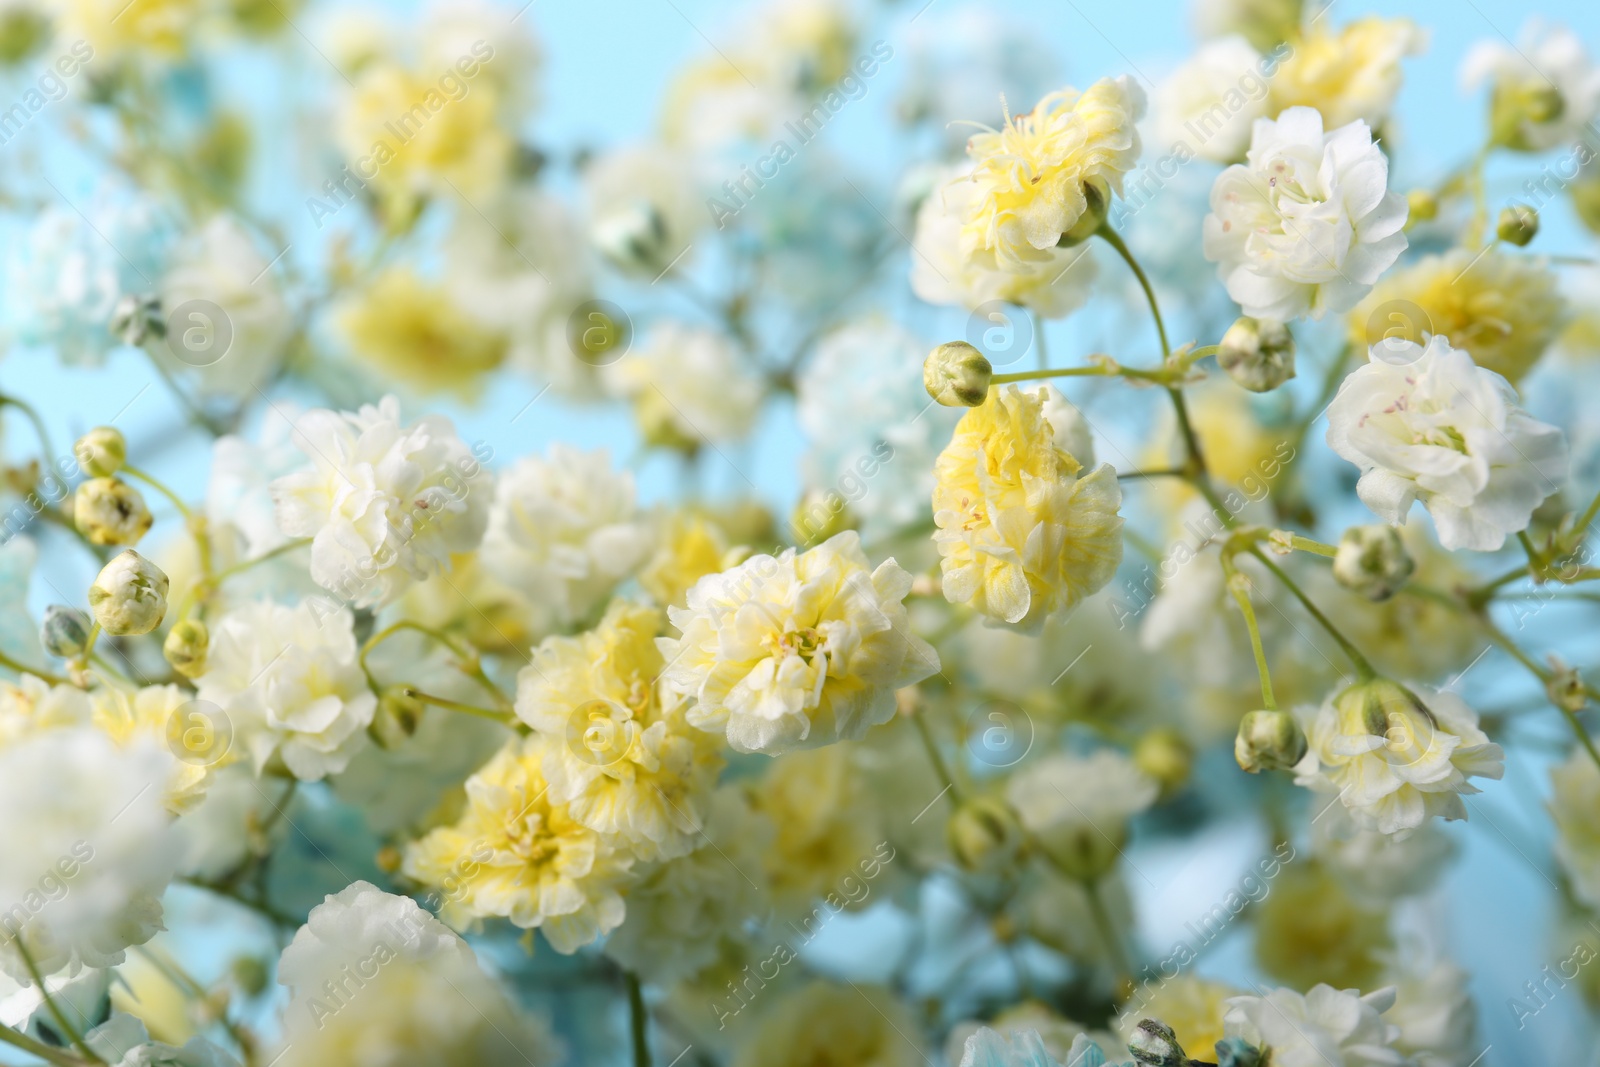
<point x="250" y="974"/>
<point x="1155" y="1045"/>
<point x="1165" y="757"/>
<point x="398" y="715"/>
<point x="1270" y="741"/>
<point x="137" y="319"/>
<point x="984" y="834"/>
<point x="1258" y="354"/>
<point x="101" y="452"/>
<point x="1516" y="107"/>
<point x="634" y="237"/>
<point x="186" y="647"/>
<point x="64" y="632"/>
<point x="957" y="375"/>
<point x="1372" y="560"/>
<point x="1518" y="225"/>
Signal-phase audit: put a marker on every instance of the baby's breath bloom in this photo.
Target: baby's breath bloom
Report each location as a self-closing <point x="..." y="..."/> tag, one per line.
<point x="518" y="854"/>
<point x="31" y="704"/>
<point x="1311" y="928"/>
<point x="109" y="511"/>
<point x="385" y="504"/>
<point x="796" y="651"/>
<point x="1575" y="807"/>
<point x="1502" y="310"/>
<point x="691" y="546"/>
<point x="646" y="207"/>
<point x="288" y="682"/>
<point x="688" y="386"/>
<point x="1326" y="1027"/>
<point x="827" y="1025"/>
<point x="1021" y="533"/>
<point x="1348" y="75"/>
<point x="1398" y="756"/>
<point x="621" y="755"/>
<point x="1191" y="1005"/>
<point x="1045" y="173"/>
<point x="1543" y="91"/>
<point x="416" y="330"/>
<point x="1437" y="1018"/>
<point x="146" y="716"/>
<point x="1204" y="105"/>
<point x="1264" y="23"/>
<point x="1429" y="424"/>
<point x="1078" y="807"/>
<point x="1307" y="224"/>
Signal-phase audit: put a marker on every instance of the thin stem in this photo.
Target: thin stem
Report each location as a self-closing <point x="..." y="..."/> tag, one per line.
<point x="1191" y="442"/>
<point x="1059" y="372"/>
<point x="1167" y="472"/>
<point x="22" y="668"/>
<point x="1108" y="931"/>
<point x="469" y="664"/>
<point x="940" y="768"/>
<point x="49" y="1054"/>
<point x="177" y="501"/>
<point x="639" y="1020"/>
<point x="1589" y="513"/>
<point x="1363" y="668"/>
<point x="1535" y="561"/>
<point x="1533" y="668"/>
<point x="1239" y="586"/>
<point x="50" y="1002"/>
<point x="48" y="450"/>
<point x="505" y="718"/>
<point x="1110" y="236"/>
<point x="1306" y="544"/>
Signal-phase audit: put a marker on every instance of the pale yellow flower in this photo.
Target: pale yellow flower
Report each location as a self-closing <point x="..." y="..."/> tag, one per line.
<point x="1504" y="310"/>
<point x="517" y="854"/>
<point x="161" y="715"/>
<point x="620" y="755"/>
<point x="416" y="331"/>
<point x="114" y="27"/>
<point x="1022" y="535"/>
<point x="825" y="1025"/>
<point x="1051" y="169"/>
<point x="1348" y="74"/>
<point x="827" y="827"/>
<point x="31" y="704"/>
<point x="1191" y="1005"/>
<point x="1309" y="930"/>
<point x="692" y="546"/>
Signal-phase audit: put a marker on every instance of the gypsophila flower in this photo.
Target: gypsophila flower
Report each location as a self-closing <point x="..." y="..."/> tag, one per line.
<point x="1575" y="807"/>
<point x="146" y="716"/>
<point x="1307" y="224"/>
<point x="1543" y="91"/>
<point x="1207" y="106"/>
<point x="825" y="1025"/>
<point x="1078" y="807"/>
<point x="384" y="504"/>
<point x="1348" y="75"/>
<point x="687" y="387"/>
<point x="1326" y="1027"/>
<point x="796" y="651"/>
<point x="123" y="1041"/>
<point x="1428" y="424"/>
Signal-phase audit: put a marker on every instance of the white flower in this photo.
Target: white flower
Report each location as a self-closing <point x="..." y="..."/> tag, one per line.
<point x="688" y="386"/>
<point x="1429" y="424"/>
<point x="1055" y="282"/>
<point x="1397" y="756"/>
<point x="1434" y="1010"/>
<point x="646" y="207"/>
<point x="1326" y="1027"/>
<point x="238" y="493"/>
<point x="564" y="530"/>
<point x="289" y="684"/>
<point x="385" y="504"/>
<point x="123" y="1041"/>
<point x="1025" y="1048"/>
<point x="798" y="650"/>
<point x="1079" y="806"/>
<point x="88" y="847"/>
<point x="1209" y="103"/>
<point x="1544" y="91"/>
<point x="1575" y="807"/>
<point x="1307" y="224"/>
<point x="376" y="981"/>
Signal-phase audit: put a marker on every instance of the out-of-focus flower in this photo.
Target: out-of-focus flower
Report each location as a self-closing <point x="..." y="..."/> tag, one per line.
<point x="375" y="981"/>
<point x="1307" y="224"/>
<point x="1575" y="807"/>
<point x="646" y="207"/>
<point x="109" y="511"/>
<point x="1543" y="92"/>
<point x="1349" y="75"/>
<point x="186" y="646"/>
<point x="288" y="682"/>
<point x="416" y="331"/>
<point x="691" y="546"/>
<point x="1398" y="756"/>
<point x="1311" y="928"/>
<point x="455" y="30"/>
<point x="1434" y="1010"/>
<point x="1208" y="105"/>
<point x="962" y="62"/>
<point x="25" y="26"/>
<point x="1378" y="868"/>
<point x="64" y="632"/>
<point x="89" y="849"/>
<point x="517" y="854"/>
<point x="123" y="1041"/>
<point x="825" y="1025"/>
<point x="688" y="386"/>
<point x="1428" y="424"/>
<point x="1054" y="281"/>
<point x="158" y="30"/>
<point x="1325" y="1026"/>
<point x="1051" y="173"/>
<point x="1372" y="561"/>
<point x="621" y="756"/>
<point x="1258" y="354"/>
<point x="129" y="596"/>
<point x="1020" y="532"/>
<point x="797" y="650"/>
<point x="147" y="716"/>
<point x="384" y="504"/>
<point x="30" y="705"/>
<point x="564" y="530"/>
<point x="1502" y="310"/>
<point x="101" y="452"/>
<point x="1191" y="1005"/>
<point x="1079" y="806"/>
<point x="1058" y="1036"/>
<point x="1264" y="23"/>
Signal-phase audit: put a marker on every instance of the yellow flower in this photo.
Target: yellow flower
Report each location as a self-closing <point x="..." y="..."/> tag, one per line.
<point x="517" y="854"/>
<point x="31" y="704"/>
<point x="1022" y="535"/>
<point x="825" y="1025"/>
<point x="160" y="713"/>
<point x="112" y="27"/>
<point x="415" y="330"/>
<point x="1504" y="310"/>
<point x="1350" y="74"/>
<point x="470" y="600"/>
<point x="1309" y="930"/>
<point x="1052" y="169"/>
<point x="827" y="827"/>
<point x="692" y="546"/>
<point x="620" y="754"/>
<point x="1191" y="1005"/>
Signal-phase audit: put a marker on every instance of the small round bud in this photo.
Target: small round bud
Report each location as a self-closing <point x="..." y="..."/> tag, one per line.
<point x="101" y="452"/>
<point x="109" y="511"/>
<point x="1268" y="741"/>
<point x="1237" y="1052"/>
<point x="1165" y="757"/>
<point x="1155" y="1045"/>
<point x="1423" y="205"/>
<point x="1258" y="354"/>
<point x="1372" y="560"/>
<point x="634" y="237"/>
<point x="984" y="834"/>
<point x="249" y="974"/>
<point x="64" y="632"/>
<point x="399" y="712"/>
<point x="1517" y="107"/>
<point x="129" y="596"/>
<point x="1518" y="225"/>
<point x="1566" y="690"/>
<point x="186" y="647"/>
<point x="137" y="319"/>
<point x="1097" y="204"/>
<point x="957" y="375"/>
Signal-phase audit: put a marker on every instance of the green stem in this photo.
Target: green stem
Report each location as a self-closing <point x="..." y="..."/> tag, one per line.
<point x="1110" y="237"/>
<point x="37" y="1048"/>
<point x="1364" y="669"/>
<point x="1167" y="472"/>
<point x="1108" y="931"/>
<point x="1306" y="544"/>
<point x="505" y="718"/>
<point x="50" y="1002"/>
<point x="177" y="501"/>
<point x="22" y="668"/>
<point x="940" y="768"/>
<point x="1059" y="372"/>
<point x="639" y="1020"/>
<point x="1533" y="668"/>
<point x="1238" y="585"/>
<point x="469" y="663"/>
<point x="49" y="452"/>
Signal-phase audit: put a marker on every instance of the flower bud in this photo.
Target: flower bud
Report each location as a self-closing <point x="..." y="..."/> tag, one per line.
<point x="1155" y="1045"/>
<point x="634" y="237"/>
<point x="137" y="318"/>
<point x="64" y="632"/>
<point x="101" y="452"/>
<point x="1237" y="1052"/>
<point x="1372" y="561"/>
<point x="1566" y="689"/>
<point x="186" y="647"/>
<point x="1258" y="354"/>
<point x="1270" y="741"/>
<point x="399" y="712"/>
<point x="1518" y="225"/>
<point x="984" y="834"/>
<point x="250" y="974"/>
<point x="1515" y="107"/>
<point x="109" y="511"/>
<point x="1386" y="709"/>
<point x="1422" y="205"/>
<point x="957" y="375"/>
<point x="1585" y="193"/>
<point x="129" y="596"/>
<point x="1165" y="757"/>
